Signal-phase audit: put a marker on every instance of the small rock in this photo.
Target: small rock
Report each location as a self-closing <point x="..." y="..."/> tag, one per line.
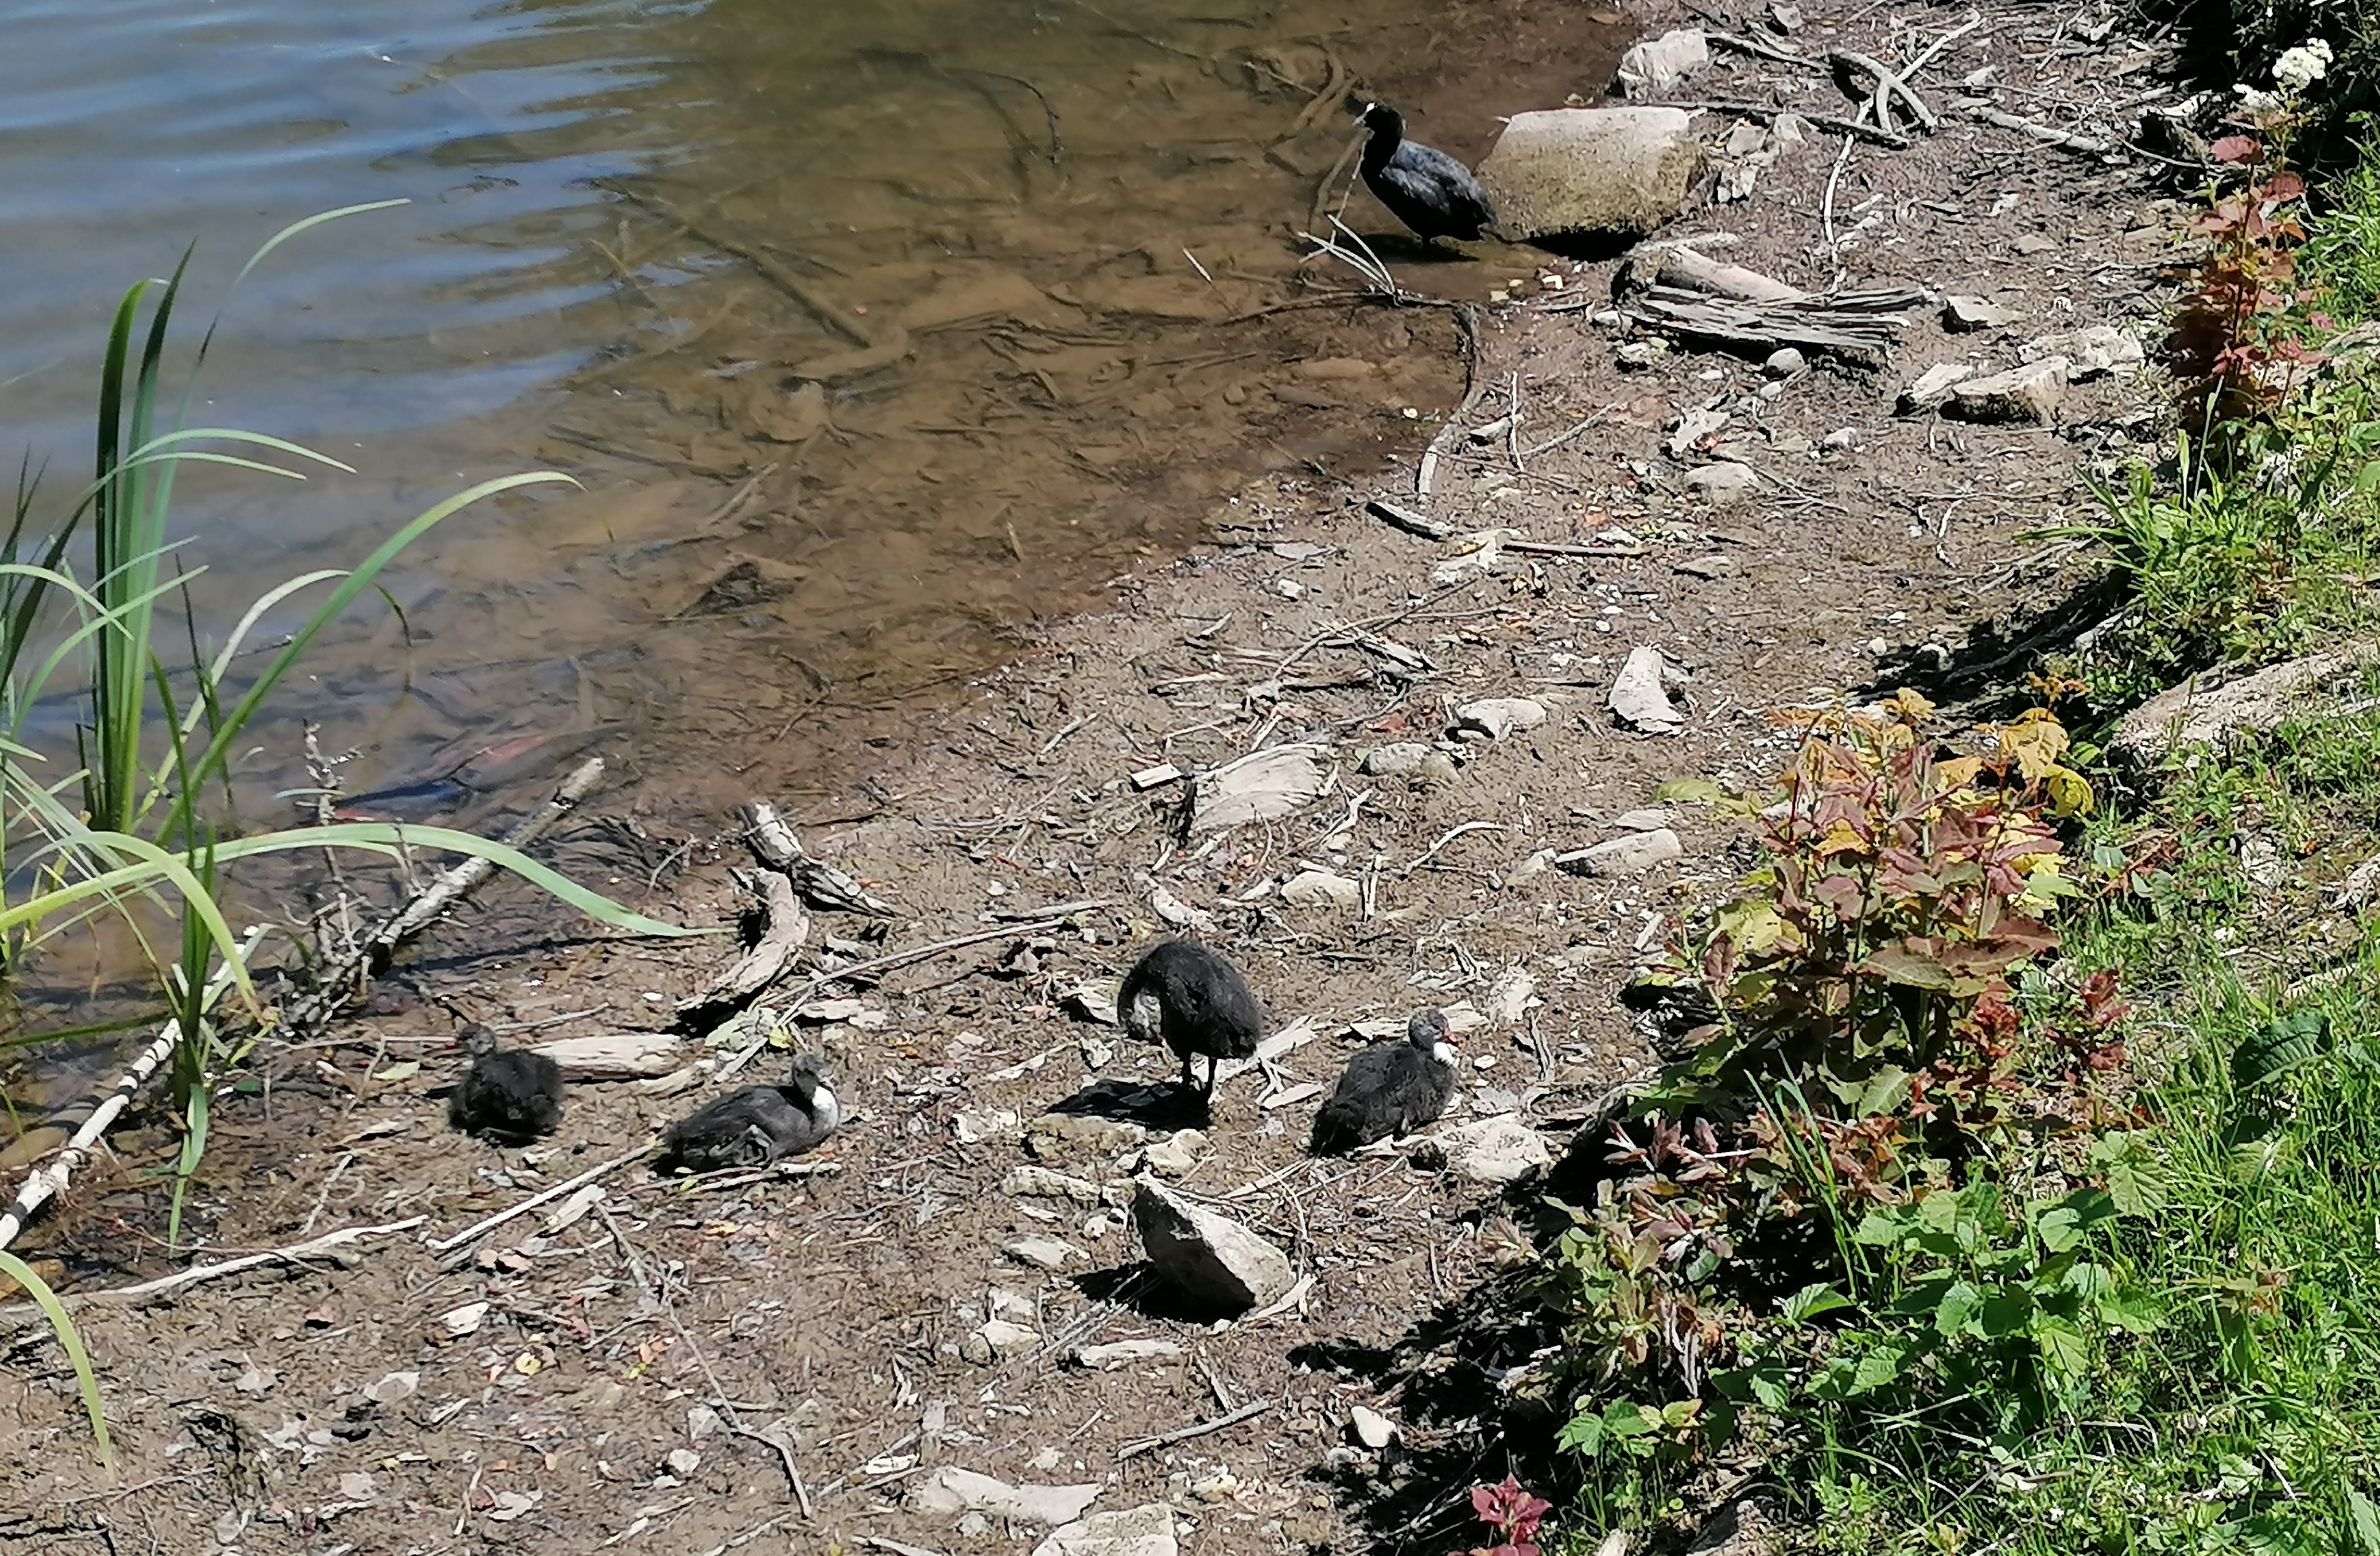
<point x="1692" y="428"/>
<point x="1647" y="819"/>
<point x="1063" y="1134"/>
<point x="973" y="1125"/>
<point x="1534" y="866"/>
<point x="1044" y="1253"/>
<point x="1043" y="1183"/>
<point x="1372" y="1429"/>
<point x="1411" y="761"/>
<point x="681" y="1461"/>
<point x="465" y="1319"/>
<point x="357" y="1486"/>
<point x="1638" y="698"/>
<point x="1508" y="996"/>
<point x="1962" y="314"/>
<point x="1321" y="888"/>
<point x="1493" y="718"/>
<point x="1649" y="69"/>
<point x="996" y="1340"/>
<point x="1841" y="437"/>
<point x="1493" y="1150"/>
<point x="1138" y="1531"/>
<point x="2095" y="352"/>
<point x="701" y="1421"/>
<point x="394" y="1388"/>
<point x="1124" y="1353"/>
<point x="1486" y="1101"/>
<point x="1016" y="1306"/>
<point x="1217" y="1485"/>
<point x="1632" y="854"/>
<point x="1469" y="557"/>
<point x="1044" y="1460"/>
<point x="2034" y="243"/>
<point x="1262" y="786"/>
<point x="951" y="1492"/>
<point x="1784" y="362"/>
<point x="1784" y="19"/>
<point x="2032" y="392"/>
<point x="1175" y="1156"/>
<point x="228" y="1524"/>
<point x="1636" y="356"/>
<point x="1206" y="1254"/>
<point x="513" y="1504"/>
<point x="1930" y="388"/>
<point x="257" y="1382"/>
<point x="1722" y="483"/>
<point x="1718" y="565"/>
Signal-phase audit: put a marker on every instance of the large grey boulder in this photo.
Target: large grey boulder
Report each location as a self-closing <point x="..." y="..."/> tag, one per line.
<point x="1207" y="1256"/>
<point x="1562" y="172"/>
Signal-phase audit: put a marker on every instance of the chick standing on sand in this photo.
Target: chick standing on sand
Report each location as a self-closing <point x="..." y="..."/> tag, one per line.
<point x="1193" y="1001"/>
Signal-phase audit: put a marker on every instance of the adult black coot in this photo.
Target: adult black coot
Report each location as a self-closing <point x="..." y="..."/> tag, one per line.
<point x="1389" y="1088"/>
<point x="507" y="1095"/>
<point x="759" y="1124"/>
<point x="1192" y="1000"/>
<point x="1422" y="187"/>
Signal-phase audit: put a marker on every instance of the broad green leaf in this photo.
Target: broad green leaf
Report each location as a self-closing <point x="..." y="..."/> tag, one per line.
<point x="1959" y="1307"/>
<point x="1691" y="791"/>
<point x="1812" y="1300"/>
<point x="1896" y="963"/>
<point x="1584" y="1434"/>
<point x="2135" y="1178"/>
<point x="2361" y="1517"/>
<point x="2064" y="1347"/>
<point x="2281" y="1047"/>
<point x="2135" y="1312"/>
<point x="1876" y="1369"/>
<point x="1881" y="1229"/>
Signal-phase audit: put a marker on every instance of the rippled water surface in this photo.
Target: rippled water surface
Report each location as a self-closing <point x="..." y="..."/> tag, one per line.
<point x="873" y="332"/>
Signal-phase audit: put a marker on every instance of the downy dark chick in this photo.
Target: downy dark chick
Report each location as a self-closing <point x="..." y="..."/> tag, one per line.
<point x="509" y="1096"/>
<point x="759" y="1124"/>
<point x="1422" y="187"/>
<point x="1389" y="1088"/>
<point x="1193" y="1001"/>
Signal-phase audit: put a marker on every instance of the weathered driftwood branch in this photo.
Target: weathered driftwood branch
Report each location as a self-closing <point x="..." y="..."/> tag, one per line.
<point x="1887" y="87"/>
<point x="787" y="927"/>
<point x="1853" y="327"/>
<point x="2049" y="135"/>
<point x="1426" y="472"/>
<point x="480" y="1228"/>
<point x="773" y="844"/>
<point x="293" y="1253"/>
<point x="41" y="1185"/>
<point x="1682" y="268"/>
<point x="1768" y="113"/>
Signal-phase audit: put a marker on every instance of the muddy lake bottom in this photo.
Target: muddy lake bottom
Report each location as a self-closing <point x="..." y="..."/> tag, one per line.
<point x="580" y="1387"/>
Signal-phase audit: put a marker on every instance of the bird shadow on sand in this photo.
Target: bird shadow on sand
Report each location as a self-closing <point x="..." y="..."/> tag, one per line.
<point x="1154" y="1105"/>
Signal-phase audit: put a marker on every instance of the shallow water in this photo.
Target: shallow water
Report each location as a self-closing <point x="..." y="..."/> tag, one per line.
<point x="875" y="334"/>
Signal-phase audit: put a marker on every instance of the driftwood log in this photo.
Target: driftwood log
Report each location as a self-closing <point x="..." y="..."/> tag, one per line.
<point x="1857" y="327"/>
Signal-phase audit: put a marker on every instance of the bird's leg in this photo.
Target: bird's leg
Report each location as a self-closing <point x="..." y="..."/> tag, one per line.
<point x="1211" y="1080"/>
<point x="1187" y="1082"/>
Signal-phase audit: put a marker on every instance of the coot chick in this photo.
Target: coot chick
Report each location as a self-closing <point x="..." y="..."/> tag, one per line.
<point x="507" y="1095"/>
<point x="1194" y="1001"/>
<point x="759" y="1124"/>
<point x="1389" y="1088"/>
<point x="1422" y="188"/>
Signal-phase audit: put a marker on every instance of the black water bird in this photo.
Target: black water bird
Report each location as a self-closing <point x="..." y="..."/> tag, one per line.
<point x="759" y="1124"/>
<point x="1193" y="1001"/>
<point x="1422" y="188"/>
<point x="508" y="1095"/>
<point x="1389" y="1088"/>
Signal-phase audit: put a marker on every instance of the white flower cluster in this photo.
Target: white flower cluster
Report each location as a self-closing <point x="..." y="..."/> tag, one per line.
<point x="2297" y="69"/>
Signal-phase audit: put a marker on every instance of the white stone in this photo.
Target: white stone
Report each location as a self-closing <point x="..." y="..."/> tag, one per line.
<point x="1206" y="1254"/>
<point x="1125" y="1353"/>
<point x="2032" y="392"/>
<point x="1261" y="787"/>
<point x="1044" y="1253"/>
<point x="1692" y="428"/>
<point x="1591" y="170"/>
<point x="1321" y="888"/>
<point x="996" y="1338"/>
<point x="1492" y="718"/>
<point x="1632" y="854"/>
<point x="1653" y="68"/>
<point x="1175" y="1156"/>
<point x="1930" y="388"/>
<point x="1638" y="698"/>
<point x="1137" y="1531"/>
<point x="1962" y="314"/>
<point x="1408" y="759"/>
<point x="974" y="1125"/>
<point x="681" y="1461"/>
<point x="1784" y="362"/>
<point x="951" y="1492"/>
<point x="2094" y="352"/>
<point x="1372" y="1429"/>
<point x="1723" y="482"/>
<point x="1510" y="995"/>
<point x="1640" y="820"/>
<point x="1493" y="1150"/>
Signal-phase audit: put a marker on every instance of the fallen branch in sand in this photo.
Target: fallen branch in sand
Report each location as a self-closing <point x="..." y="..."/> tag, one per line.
<point x="2049" y="135"/>
<point x="1769" y="113"/>
<point x="340" y="981"/>
<point x="788" y="927"/>
<point x="1151" y="1444"/>
<point x="1426" y="471"/>
<point x="40" y="1187"/>
<point x="773" y="844"/>
<point x="1887" y="87"/>
<point x="294" y="1253"/>
<point x="446" y="1245"/>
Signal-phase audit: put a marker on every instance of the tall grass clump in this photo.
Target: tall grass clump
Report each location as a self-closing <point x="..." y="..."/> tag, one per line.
<point x="136" y="820"/>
